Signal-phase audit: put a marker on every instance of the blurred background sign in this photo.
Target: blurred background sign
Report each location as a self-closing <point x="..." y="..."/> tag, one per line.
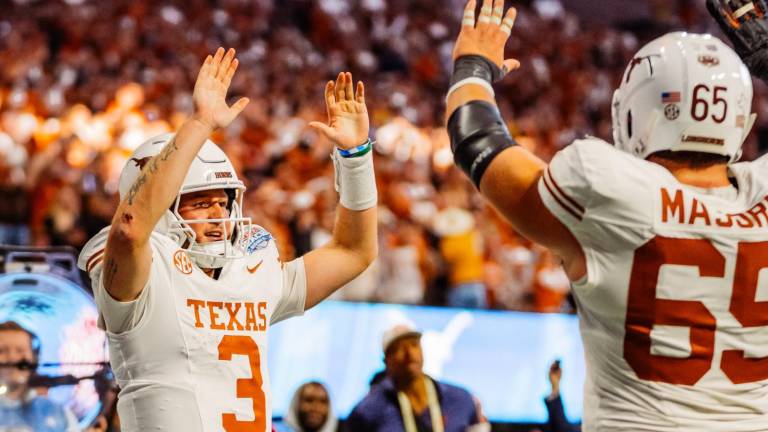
<point x="500" y="357"/>
<point x="41" y="290"/>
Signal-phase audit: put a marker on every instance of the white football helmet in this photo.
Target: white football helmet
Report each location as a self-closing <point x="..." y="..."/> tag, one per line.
<point x="211" y="169"/>
<point x="684" y="92"/>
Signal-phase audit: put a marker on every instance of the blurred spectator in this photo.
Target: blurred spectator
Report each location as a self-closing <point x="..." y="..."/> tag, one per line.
<point x="402" y="257"/>
<point x="462" y="251"/>
<point x="551" y="285"/>
<point x="14" y="212"/>
<point x="407" y="399"/>
<point x="557" y="420"/>
<point x="22" y="409"/>
<point x="84" y="82"/>
<point x="311" y="410"/>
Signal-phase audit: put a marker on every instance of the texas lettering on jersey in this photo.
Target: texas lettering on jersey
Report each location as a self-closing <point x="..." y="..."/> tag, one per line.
<point x="195" y="359"/>
<point x="229" y="316"/>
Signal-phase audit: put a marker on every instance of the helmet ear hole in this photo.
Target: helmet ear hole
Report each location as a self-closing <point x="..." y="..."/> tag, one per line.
<point x="629" y="124"/>
<point x="231" y="196"/>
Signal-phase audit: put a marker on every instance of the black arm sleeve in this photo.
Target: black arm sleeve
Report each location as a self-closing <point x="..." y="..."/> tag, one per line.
<point x="478" y="134"/>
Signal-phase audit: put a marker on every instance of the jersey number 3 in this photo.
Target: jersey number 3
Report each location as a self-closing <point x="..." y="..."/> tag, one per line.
<point x="644" y="311"/>
<point x="246" y="388"/>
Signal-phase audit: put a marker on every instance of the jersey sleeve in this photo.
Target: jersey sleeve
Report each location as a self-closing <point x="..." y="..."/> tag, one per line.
<point x="565" y="187"/>
<point x="602" y="194"/>
<point x="294" y="291"/>
<point x="117" y="316"/>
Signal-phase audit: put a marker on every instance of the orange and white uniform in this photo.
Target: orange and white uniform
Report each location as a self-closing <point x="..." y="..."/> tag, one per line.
<point x="190" y="354"/>
<point x="674" y="308"/>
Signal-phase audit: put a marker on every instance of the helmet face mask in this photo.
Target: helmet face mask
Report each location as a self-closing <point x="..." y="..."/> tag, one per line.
<point x="683" y="92"/>
<point x="214" y="254"/>
<point x="210" y="170"/>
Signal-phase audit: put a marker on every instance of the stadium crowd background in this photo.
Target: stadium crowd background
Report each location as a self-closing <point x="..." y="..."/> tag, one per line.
<point x="83" y="83"/>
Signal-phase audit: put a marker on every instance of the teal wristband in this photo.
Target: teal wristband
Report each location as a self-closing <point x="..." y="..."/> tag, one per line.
<point x="358" y="151"/>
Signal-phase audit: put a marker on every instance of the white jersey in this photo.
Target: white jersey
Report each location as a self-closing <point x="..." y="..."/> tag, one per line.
<point x="190" y="354"/>
<point x="674" y="308"/>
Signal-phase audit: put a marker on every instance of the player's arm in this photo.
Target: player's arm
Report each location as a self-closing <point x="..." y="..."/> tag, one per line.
<point x="128" y="255"/>
<point x="746" y="25"/>
<point x="506" y="174"/>
<point x="354" y="243"/>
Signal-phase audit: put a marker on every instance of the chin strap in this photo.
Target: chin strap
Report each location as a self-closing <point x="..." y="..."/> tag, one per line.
<point x="208" y="255"/>
<point x="644" y="138"/>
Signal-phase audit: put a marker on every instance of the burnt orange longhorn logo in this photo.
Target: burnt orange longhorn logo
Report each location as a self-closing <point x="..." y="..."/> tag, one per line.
<point x="140" y="162"/>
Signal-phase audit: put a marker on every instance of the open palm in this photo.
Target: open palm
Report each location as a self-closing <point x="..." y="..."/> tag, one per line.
<point x="211" y="90"/>
<point x="347" y="115"/>
<point x="487" y="35"/>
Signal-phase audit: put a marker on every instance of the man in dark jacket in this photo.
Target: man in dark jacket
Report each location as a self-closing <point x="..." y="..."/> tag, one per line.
<point x="407" y="399"/>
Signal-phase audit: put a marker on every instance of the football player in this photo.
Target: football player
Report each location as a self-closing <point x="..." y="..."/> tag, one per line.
<point x="663" y="235"/>
<point x="187" y="288"/>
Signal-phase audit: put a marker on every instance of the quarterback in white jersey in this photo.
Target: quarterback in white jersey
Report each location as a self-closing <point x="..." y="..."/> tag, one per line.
<point x="664" y="236"/>
<point x="187" y="287"/>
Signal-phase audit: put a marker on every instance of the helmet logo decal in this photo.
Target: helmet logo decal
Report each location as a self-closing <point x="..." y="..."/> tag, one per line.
<point x="182" y="262"/>
<point x="671" y="97"/>
<point x="141" y="161"/>
<point x="671" y="112"/>
<point x="257" y="239"/>
<point x="637" y="60"/>
<point x="709" y="60"/>
<point x="224" y="174"/>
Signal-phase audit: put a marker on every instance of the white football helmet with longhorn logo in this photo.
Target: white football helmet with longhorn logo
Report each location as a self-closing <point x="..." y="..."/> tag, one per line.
<point x="683" y="92"/>
<point x="211" y="169"/>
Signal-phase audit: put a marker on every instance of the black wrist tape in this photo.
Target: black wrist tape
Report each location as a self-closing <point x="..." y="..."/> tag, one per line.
<point x="478" y="134"/>
<point x="475" y="66"/>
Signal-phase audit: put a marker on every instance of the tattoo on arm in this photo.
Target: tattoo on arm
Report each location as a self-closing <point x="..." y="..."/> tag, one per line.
<point x="151" y="168"/>
<point x="110" y="269"/>
<point x="136" y="186"/>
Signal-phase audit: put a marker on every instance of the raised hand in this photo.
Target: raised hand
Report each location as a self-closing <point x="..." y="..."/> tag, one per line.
<point x="746" y="25"/>
<point x="211" y="90"/>
<point x="743" y="21"/>
<point x="347" y="115"/>
<point x="555" y="374"/>
<point x="488" y="35"/>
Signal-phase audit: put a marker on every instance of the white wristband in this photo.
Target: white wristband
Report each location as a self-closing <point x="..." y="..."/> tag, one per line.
<point x="471" y="80"/>
<point x="355" y="181"/>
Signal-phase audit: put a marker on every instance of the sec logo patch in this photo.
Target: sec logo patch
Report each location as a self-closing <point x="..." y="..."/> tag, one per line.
<point x="182" y="262"/>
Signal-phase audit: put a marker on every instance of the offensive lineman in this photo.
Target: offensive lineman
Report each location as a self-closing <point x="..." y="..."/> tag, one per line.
<point x="187" y="288"/>
<point x="663" y="236"/>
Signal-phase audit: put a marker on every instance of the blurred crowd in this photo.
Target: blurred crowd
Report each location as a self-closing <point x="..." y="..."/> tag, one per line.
<point x="84" y="82"/>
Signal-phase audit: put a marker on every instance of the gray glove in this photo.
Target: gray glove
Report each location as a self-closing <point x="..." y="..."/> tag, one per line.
<point x="746" y="25"/>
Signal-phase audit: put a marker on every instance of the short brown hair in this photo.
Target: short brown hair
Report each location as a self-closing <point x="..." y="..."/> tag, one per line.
<point x="692" y="158"/>
<point x="34" y="342"/>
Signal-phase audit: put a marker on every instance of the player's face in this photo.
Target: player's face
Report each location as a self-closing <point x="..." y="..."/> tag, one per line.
<point x="15" y="346"/>
<point x="404" y="358"/>
<point x="210" y="204"/>
<point x="313" y="407"/>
